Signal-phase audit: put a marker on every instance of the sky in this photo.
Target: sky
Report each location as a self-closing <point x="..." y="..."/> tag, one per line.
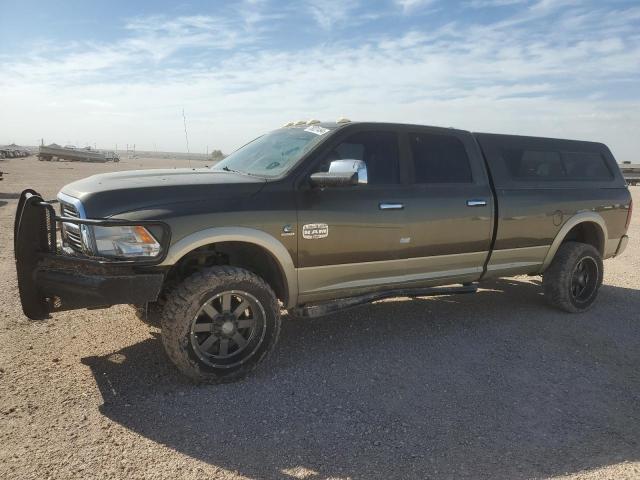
<point x="121" y="72"/>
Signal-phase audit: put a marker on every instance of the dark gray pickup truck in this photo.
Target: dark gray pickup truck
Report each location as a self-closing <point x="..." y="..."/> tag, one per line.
<point x="316" y="217"/>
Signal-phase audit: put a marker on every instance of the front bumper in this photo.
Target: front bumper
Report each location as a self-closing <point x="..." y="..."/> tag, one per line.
<point x="50" y="281"/>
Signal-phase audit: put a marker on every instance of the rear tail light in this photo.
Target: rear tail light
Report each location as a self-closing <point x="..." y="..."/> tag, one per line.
<point x="629" y="213"/>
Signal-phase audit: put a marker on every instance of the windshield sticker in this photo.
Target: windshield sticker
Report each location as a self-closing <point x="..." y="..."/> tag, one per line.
<point x="314" y="231"/>
<point x="316" y="129"/>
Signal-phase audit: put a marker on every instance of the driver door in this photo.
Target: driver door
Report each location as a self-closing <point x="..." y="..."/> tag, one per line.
<point x="351" y="239"/>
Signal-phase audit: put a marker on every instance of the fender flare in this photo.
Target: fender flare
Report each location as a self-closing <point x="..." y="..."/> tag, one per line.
<point x="240" y="234"/>
<point x="582" y="217"/>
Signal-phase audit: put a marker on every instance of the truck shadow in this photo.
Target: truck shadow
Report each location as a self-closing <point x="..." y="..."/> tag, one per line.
<point x="494" y="385"/>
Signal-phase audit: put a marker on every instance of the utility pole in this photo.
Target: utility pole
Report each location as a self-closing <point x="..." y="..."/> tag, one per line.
<point x="186" y="136"/>
<point x="184" y="119"/>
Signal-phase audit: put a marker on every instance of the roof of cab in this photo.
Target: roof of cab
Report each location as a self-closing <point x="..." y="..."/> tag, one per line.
<point x="345" y="123"/>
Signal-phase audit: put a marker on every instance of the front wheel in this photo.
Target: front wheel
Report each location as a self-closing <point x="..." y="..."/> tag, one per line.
<point x="574" y="277"/>
<point x="219" y="324"/>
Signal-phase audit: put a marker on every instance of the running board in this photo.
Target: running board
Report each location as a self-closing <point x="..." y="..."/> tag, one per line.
<point x="333" y="306"/>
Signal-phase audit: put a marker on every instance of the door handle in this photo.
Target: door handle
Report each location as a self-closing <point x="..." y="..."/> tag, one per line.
<point x="476" y="202"/>
<point x="390" y="206"/>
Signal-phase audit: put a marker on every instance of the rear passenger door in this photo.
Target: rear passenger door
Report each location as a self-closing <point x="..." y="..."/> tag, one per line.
<point x="450" y="214"/>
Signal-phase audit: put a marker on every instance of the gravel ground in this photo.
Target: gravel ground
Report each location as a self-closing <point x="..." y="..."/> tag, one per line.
<point x="494" y="385"/>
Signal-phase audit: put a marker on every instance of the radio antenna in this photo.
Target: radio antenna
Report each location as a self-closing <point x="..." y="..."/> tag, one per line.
<point x="186" y="136"/>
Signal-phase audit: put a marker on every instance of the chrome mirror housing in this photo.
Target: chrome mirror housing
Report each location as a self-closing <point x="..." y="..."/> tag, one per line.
<point x="350" y="166"/>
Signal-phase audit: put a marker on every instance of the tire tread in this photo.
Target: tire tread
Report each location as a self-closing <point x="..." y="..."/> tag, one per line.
<point x="181" y="298"/>
<point x="556" y="280"/>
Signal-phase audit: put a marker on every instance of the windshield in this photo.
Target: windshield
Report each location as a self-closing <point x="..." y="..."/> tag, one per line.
<point x="274" y="153"/>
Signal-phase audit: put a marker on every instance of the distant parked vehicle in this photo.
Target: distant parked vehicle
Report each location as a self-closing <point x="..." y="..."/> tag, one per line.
<point x="47" y="153"/>
<point x="13" y="151"/>
<point x="631" y="172"/>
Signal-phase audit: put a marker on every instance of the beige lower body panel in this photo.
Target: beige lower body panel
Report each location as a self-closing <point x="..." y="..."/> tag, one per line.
<point x="612" y="247"/>
<point x="324" y="282"/>
<point x="622" y="245"/>
<point x="516" y="261"/>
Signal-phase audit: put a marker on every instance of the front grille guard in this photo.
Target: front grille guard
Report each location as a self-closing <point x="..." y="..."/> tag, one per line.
<point x="35" y="247"/>
<point x="32" y="209"/>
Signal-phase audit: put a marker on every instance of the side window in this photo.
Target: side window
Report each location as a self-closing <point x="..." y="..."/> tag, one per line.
<point x="586" y="166"/>
<point x="439" y="159"/>
<point x="549" y="165"/>
<point x="534" y="164"/>
<point x="379" y="151"/>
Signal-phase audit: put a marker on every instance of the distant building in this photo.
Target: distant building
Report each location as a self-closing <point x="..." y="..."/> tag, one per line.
<point x="631" y="172"/>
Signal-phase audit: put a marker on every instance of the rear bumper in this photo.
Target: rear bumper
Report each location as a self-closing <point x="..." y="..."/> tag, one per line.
<point x="49" y="281"/>
<point x="622" y="245"/>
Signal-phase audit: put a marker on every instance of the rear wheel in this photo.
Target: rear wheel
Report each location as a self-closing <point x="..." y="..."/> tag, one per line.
<point x="219" y="324"/>
<point x="573" y="279"/>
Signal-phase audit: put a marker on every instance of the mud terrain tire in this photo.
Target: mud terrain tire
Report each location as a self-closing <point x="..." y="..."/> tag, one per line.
<point x="219" y="324"/>
<point x="572" y="281"/>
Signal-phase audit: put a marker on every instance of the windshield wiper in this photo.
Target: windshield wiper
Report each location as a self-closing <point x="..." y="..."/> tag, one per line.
<point x="227" y="169"/>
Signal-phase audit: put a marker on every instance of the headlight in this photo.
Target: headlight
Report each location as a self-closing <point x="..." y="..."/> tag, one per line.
<point x="129" y="241"/>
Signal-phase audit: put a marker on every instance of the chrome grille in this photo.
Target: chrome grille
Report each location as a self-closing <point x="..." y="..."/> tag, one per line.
<point x="71" y="231"/>
<point x="69" y="210"/>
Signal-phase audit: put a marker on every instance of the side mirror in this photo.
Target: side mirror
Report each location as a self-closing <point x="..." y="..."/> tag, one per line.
<point x="341" y="173"/>
<point x="334" y="179"/>
<point x="357" y="166"/>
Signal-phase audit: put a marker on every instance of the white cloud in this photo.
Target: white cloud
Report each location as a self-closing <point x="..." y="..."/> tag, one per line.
<point x="328" y="13"/>
<point x="161" y="37"/>
<point x="548" y="5"/>
<point x="409" y="5"/>
<point x="495" y="3"/>
<point x="488" y="77"/>
<point x="94" y="102"/>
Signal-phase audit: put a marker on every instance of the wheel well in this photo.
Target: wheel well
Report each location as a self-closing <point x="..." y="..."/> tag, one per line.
<point x="245" y="255"/>
<point x="589" y="233"/>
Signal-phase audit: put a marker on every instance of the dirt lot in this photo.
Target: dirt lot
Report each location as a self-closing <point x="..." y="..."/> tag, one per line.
<point x="494" y="385"/>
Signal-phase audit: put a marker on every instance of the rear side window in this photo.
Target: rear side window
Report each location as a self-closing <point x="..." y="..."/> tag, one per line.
<point x="548" y="165"/>
<point x="439" y="159"/>
<point x="534" y="165"/>
<point x="586" y="166"/>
